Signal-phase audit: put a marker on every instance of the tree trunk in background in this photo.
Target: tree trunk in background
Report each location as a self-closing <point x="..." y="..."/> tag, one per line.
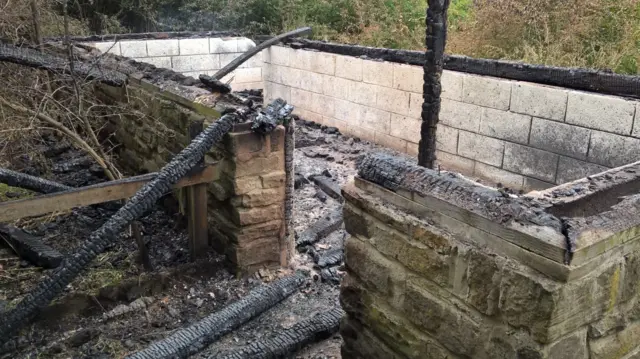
<point x="36" y="23"/>
<point x="436" y="39"/>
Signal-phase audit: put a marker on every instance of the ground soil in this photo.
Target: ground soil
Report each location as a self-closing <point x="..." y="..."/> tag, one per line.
<point x="180" y="292"/>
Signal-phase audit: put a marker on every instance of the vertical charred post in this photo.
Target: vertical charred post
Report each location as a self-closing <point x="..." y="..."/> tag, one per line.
<point x="436" y="39"/>
<point x="289" y="147"/>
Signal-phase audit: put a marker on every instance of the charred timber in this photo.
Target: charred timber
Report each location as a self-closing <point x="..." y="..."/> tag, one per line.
<point x="188" y="341"/>
<point x="252" y="52"/>
<point x="574" y="78"/>
<point x="104" y="236"/>
<point x="436" y="40"/>
<point x="289" y="169"/>
<point x="33" y="58"/>
<point x="319" y="327"/>
<point x="32" y="183"/>
<point x="30" y="248"/>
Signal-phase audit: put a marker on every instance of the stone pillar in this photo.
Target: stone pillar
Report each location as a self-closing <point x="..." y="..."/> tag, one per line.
<point x="431" y="275"/>
<point x="246" y="209"/>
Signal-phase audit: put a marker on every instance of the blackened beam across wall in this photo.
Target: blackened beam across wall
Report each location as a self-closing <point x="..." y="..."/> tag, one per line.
<point x="574" y="78"/>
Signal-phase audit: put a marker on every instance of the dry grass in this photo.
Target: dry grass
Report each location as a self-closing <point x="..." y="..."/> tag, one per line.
<point x="601" y="34"/>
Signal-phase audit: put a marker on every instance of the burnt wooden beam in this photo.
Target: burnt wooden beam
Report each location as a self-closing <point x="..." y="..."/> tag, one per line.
<point x="582" y="79"/>
<point x="436" y="40"/>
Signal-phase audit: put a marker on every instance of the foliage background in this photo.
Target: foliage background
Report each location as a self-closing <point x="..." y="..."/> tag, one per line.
<point x="602" y="34"/>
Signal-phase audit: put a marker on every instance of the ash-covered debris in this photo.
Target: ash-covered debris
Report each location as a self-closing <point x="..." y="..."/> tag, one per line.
<point x="122" y="309"/>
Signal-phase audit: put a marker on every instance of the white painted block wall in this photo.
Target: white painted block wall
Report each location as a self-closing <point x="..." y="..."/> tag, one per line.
<point x="520" y="134"/>
<point x="193" y="57"/>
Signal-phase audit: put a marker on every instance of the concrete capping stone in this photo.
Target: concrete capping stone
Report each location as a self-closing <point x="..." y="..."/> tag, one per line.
<point x="605" y="113"/>
<point x="223" y="45"/>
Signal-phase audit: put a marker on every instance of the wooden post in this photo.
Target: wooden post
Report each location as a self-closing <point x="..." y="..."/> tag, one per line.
<point x="436" y="39"/>
<point x="197" y="210"/>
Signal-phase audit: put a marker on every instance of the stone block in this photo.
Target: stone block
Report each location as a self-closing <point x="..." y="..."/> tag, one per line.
<point x="408" y="78"/>
<point x="279" y="55"/>
<point x="250" y="233"/>
<point x="525" y="301"/>
<point x="377" y="72"/>
<point x="560" y="138"/>
<point x="166" y="47"/>
<point x="332" y="122"/>
<point x="391" y="142"/>
<point x="224" y="45"/>
<point x="245" y="44"/>
<point x="259" y="198"/>
<point x="194" y="46"/>
<point x="273" y="180"/>
<point x="348" y="112"/>
<point x="261" y="251"/>
<point x="539" y="101"/>
<point x="412" y="149"/>
<point x="391" y="100"/>
<point x="454" y="329"/>
<point x="335" y="87"/>
<point x="415" y="105"/>
<point x="605" y="113"/>
<point x="134" y="49"/>
<point x="487" y="92"/>
<point x="460" y="115"/>
<point x="362" y="93"/>
<point x="289" y="76"/>
<point x="274" y="91"/>
<point x="497" y="176"/>
<point x="452" y="85"/>
<point x="355" y="222"/>
<point x="246" y="185"/>
<point x="160" y="62"/>
<point x="196" y="63"/>
<point x="610" y="150"/>
<point x="108" y="47"/>
<point x="446" y="138"/>
<point x="248" y="142"/>
<point x="255" y="165"/>
<point x="573" y="346"/>
<point x="322" y="104"/>
<point x="616" y="345"/>
<point x="407" y="128"/>
<point x="311" y="81"/>
<point x="323" y="63"/>
<point x="375" y="119"/>
<point x="375" y="271"/>
<point x="570" y="169"/>
<point x="413" y="255"/>
<point x="225" y="59"/>
<point x="277" y="139"/>
<point x="481" y="148"/>
<point x="451" y="162"/>
<point x="349" y="67"/>
<point x="483" y="281"/>
<point x="530" y="162"/>
<point x="249" y="216"/>
<point x="301" y="98"/>
<point x="505" y="125"/>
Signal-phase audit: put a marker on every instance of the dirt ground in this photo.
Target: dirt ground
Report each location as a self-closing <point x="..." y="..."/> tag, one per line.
<point x="177" y="292"/>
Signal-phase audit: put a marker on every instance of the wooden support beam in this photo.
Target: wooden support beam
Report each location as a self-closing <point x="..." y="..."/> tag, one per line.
<point x="197" y="210"/>
<point x="100" y="193"/>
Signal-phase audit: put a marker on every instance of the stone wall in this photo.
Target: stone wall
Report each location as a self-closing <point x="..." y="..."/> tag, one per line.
<point x="246" y="203"/>
<point x="433" y="271"/>
<point x="193" y="56"/>
<point x="519" y="134"/>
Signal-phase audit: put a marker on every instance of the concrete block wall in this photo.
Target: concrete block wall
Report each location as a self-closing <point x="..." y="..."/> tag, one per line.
<point x="522" y="135"/>
<point x="194" y="56"/>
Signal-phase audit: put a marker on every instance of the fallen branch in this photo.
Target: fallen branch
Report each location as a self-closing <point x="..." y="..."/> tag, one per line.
<point x="191" y="340"/>
<point x="319" y="327"/>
